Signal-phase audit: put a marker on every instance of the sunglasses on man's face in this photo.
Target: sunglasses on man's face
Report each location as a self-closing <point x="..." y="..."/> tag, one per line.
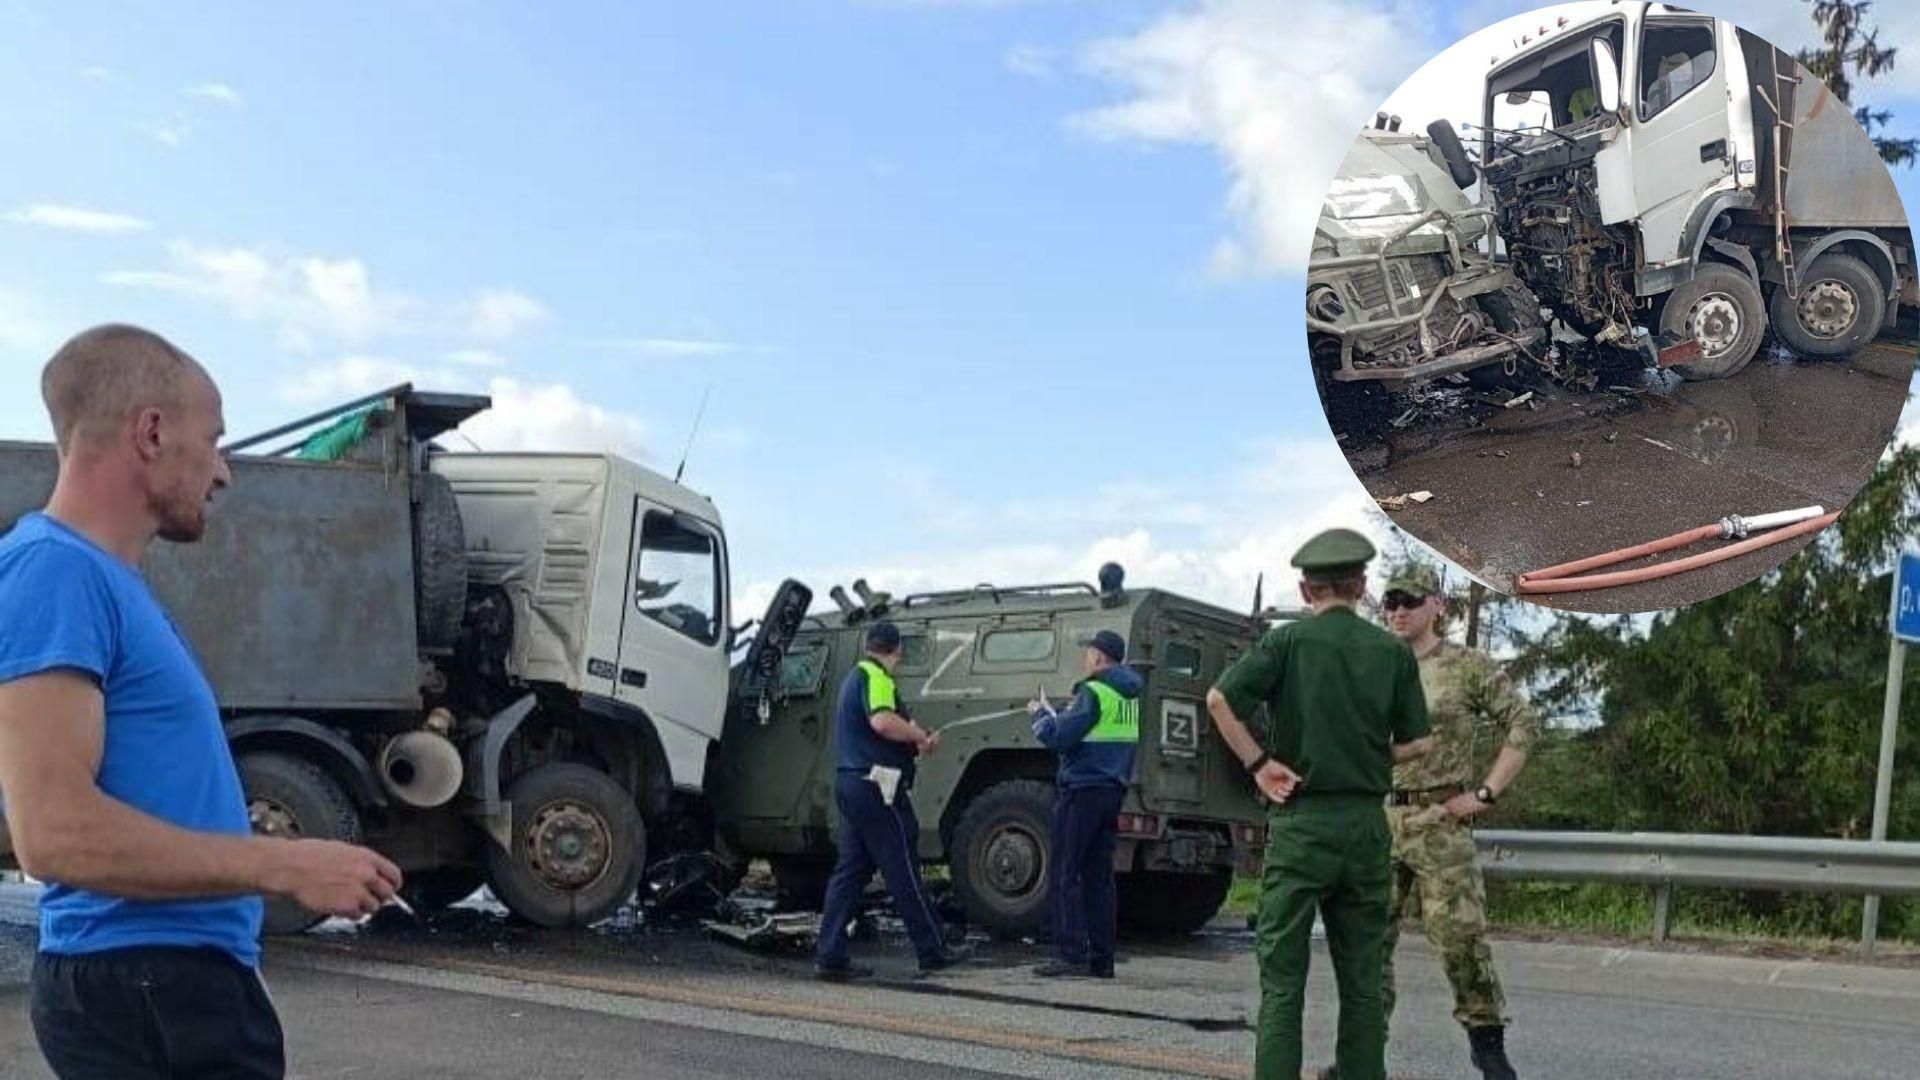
<point x="1401" y="600"/>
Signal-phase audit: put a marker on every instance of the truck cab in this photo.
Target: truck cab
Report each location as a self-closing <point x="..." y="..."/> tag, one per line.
<point x="973" y="659"/>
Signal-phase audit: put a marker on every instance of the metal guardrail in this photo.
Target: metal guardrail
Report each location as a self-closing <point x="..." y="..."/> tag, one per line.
<point x="1666" y="860"/>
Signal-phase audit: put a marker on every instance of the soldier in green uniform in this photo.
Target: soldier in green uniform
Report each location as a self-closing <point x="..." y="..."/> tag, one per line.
<point x="1343" y="704"/>
<point x="1473" y="708"/>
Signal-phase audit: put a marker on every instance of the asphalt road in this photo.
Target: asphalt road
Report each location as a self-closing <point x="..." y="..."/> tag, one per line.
<point x="1666" y="457"/>
<point x="477" y="999"/>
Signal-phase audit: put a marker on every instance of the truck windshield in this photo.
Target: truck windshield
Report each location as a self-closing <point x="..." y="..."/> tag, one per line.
<point x="678" y="580"/>
<point x="1551" y="90"/>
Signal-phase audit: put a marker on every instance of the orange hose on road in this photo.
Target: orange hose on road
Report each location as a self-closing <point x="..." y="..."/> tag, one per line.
<point x="1554" y="579"/>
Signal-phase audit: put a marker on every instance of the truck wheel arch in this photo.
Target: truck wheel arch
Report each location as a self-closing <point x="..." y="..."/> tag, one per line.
<point x="987" y="768"/>
<point x="1860" y="244"/>
<point x="625" y="738"/>
<point x="322" y="745"/>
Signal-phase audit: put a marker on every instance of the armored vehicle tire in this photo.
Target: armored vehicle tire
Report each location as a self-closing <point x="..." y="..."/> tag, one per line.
<point x="1001" y="857"/>
<point x="800" y="883"/>
<point x="440" y="561"/>
<point x="295" y="800"/>
<point x="579" y="847"/>
<point x="1839" y="308"/>
<point x="1164" y="903"/>
<point x="1723" y="309"/>
<point x="437" y="890"/>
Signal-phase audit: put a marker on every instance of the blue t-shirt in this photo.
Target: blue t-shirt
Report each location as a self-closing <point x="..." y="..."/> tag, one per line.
<point x="856" y="746"/>
<point x="67" y="605"/>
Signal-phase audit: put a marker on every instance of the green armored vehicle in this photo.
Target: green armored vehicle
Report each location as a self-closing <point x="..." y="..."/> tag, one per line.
<point x="973" y="659"/>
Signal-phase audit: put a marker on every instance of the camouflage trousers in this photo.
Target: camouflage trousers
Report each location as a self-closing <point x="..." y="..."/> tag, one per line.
<point x="1436" y="880"/>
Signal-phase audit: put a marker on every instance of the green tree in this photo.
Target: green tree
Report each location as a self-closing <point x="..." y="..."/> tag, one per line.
<point x="1848" y="49"/>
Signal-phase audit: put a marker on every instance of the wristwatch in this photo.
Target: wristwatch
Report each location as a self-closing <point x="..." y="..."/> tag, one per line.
<point x="1485" y="794"/>
<point x="1255" y="765"/>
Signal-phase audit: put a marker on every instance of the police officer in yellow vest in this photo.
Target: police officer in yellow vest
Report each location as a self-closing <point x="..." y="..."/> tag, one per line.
<point x="875" y="744"/>
<point x="1095" y="740"/>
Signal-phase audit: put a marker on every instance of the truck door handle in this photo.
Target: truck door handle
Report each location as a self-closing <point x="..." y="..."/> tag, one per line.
<point x="1715" y="149"/>
<point x="633" y="677"/>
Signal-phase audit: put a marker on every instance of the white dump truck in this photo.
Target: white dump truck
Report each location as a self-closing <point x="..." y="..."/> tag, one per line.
<point x="1668" y="182"/>
<point x="499" y="668"/>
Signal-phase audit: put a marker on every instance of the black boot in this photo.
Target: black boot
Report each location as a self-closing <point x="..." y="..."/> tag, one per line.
<point x="1490" y="1052"/>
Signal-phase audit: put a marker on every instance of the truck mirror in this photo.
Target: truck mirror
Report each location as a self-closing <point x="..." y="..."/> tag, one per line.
<point x="1519" y="97"/>
<point x="1606" y="75"/>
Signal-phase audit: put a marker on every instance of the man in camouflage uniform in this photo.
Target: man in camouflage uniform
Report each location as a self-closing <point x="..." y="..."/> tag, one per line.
<point x="1473" y="709"/>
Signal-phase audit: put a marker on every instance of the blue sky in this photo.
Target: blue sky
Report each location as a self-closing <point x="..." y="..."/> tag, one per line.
<point x="982" y="290"/>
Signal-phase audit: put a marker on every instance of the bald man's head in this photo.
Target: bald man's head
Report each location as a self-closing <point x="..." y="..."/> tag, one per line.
<point x="103" y="378"/>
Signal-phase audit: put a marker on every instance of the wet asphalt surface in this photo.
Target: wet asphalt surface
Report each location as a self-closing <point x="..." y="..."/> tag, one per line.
<point x="1657" y="457"/>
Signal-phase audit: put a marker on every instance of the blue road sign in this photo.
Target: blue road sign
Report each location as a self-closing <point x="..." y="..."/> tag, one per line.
<point x="1904" y="619"/>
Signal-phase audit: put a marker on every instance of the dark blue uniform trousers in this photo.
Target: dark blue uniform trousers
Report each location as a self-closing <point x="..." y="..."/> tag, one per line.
<point x="873" y="834"/>
<point x="1085" y="820"/>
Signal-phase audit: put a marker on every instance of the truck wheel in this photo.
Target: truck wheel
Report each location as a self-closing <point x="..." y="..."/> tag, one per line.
<point x="1164" y="903"/>
<point x="294" y="799"/>
<point x="1723" y="310"/>
<point x="440" y="563"/>
<point x="1839" y="309"/>
<point x="1001" y="857"/>
<point x="579" y="847"/>
<point x="437" y="890"/>
<point x="800" y="884"/>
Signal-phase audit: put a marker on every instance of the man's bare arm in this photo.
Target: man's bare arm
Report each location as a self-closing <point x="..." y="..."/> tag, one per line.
<point x="1407" y="751"/>
<point x="65" y="829"/>
<point x="1505" y="767"/>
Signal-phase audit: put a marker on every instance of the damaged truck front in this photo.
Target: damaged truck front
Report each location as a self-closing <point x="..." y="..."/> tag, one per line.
<point x="1398" y="290"/>
<point x="1671" y="184"/>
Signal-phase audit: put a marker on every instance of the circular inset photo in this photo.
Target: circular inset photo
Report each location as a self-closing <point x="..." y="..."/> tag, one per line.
<point x="1613" y="306"/>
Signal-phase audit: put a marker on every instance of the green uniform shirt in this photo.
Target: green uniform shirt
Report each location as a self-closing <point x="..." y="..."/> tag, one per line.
<point x="1475" y="711"/>
<point x="1338" y="691"/>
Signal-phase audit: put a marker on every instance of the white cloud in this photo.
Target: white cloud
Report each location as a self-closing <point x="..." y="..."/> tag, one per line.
<point x="668" y="346"/>
<point x="479" y="358"/>
<point x="96" y="73"/>
<point x="548" y="416"/>
<point x="501" y="313"/>
<point x="76" y="219"/>
<point x="1276" y="90"/>
<point x="1033" y="61"/>
<point x="172" y="133"/>
<point x="316" y="299"/>
<point x="216" y="92"/>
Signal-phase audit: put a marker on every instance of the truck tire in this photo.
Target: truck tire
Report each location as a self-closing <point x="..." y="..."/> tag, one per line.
<point x="1839" y="309"/>
<point x="579" y="847"/>
<point x="437" y="890"/>
<point x="1001" y="856"/>
<point x="1166" y="904"/>
<point x="1722" y="307"/>
<point x="292" y="798"/>
<point x="800" y="883"/>
<point x="440" y="563"/>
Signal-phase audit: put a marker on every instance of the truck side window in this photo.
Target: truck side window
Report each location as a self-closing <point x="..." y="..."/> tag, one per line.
<point x="1183" y="660"/>
<point x="1673" y="60"/>
<point x="801" y="671"/>
<point x="916" y="650"/>
<point x="1017" y="646"/>
<point x="678" y="582"/>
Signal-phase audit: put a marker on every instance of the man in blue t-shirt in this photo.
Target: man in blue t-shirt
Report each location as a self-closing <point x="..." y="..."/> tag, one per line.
<point x="874" y="746"/>
<point x="119" y="789"/>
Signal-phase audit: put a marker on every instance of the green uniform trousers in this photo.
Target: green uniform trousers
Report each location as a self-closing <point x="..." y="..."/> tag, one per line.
<point x="1330" y="853"/>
